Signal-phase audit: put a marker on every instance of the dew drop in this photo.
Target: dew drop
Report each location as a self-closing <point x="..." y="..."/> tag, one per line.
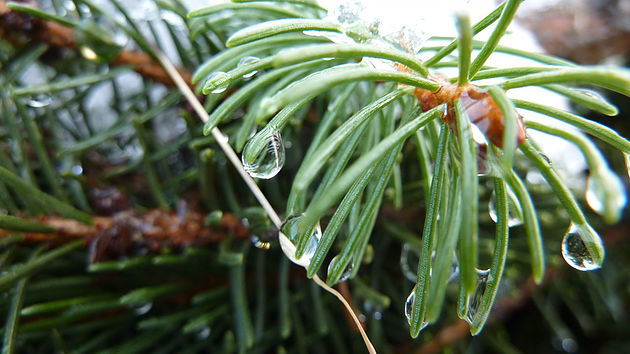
<point x="515" y="214"/>
<point x="409" y="307"/>
<point x="592" y="94"/>
<point x="88" y="53"/>
<point x="409" y="303"/>
<point x="204" y="333"/>
<point x="345" y="275"/>
<point x="474" y="301"/>
<point x="258" y="243"/>
<point x="39" y="101"/>
<point x="575" y="252"/>
<point x="289" y="236"/>
<point x="219" y="81"/>
<point x="410" y="37"/>
<point x="76" y="170"/>
<point x="409" y="259"/>
<point x="269" y="161"/>
<point x="569" y="345"/>
<point x="606" y="195"/>
<point x="454" y="269"/>
<point x="246" y="61"/>
<point x="626" y="157"/>
<point x="546" y="158"/>
<point x="100" y="41"/>
<point x="143" y="308"/>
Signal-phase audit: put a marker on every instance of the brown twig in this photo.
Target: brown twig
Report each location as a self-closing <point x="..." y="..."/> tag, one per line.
<point x="127" y="233"/>
<point x="21" y="29"/>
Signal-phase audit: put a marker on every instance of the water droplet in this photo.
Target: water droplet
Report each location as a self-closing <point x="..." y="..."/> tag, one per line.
<point x="575" y="252"/>
<point x="410" y="37"/>
<point x="454" y="269"/>
<point x="269" y="161"/>
<point x="474" y="301"/>
<point x="409" y="307"/>
<point x="606" y="195"/>
<point x="592" y="94"/>
<point x="515" y="213"/>
<point x="203" y="333"/>
<point x="88" y="53"/>
<point x="218" y="81"/>
<point x="143" y="308"/>
<point x="546" y="158"/>
<point x="39" y="100"/>
<point x="484" y="165"/>
<point x="246" y="61"/>
<point x="76" y="170"/>
<point x="569" y="345"/>
<point x="409" y="258"/>
<point x="289" y="236"/>
<point x="100" y="41"/>
<point x="345" y="275"/>
<point x="258" y="243"/>
<point x="409" y="303"/>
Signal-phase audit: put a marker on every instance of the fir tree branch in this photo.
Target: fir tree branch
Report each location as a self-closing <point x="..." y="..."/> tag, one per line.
<point x="156" y="226"/>
<point x="18" y="28"/>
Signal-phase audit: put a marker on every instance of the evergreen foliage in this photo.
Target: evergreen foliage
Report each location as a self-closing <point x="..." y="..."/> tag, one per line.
<point x="104" y="163"/>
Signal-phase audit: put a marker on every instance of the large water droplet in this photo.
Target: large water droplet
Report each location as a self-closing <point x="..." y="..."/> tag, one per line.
<point x="606" y="195"/>
<point x="409" y="303"/>
<point x="515" y="213"/>
<point x="409" y="307"/>
<point x="575" y="252"/>
<point x="244" y="62"/>
<point x="39" y="100"/>
<point x="218" y="81"/>
<point x="345" y="275"/>
<point x="474" y="301"/>
<point x="289" y="236"/>
<point x="409" y="258"/>
<point x="269" y="161"/>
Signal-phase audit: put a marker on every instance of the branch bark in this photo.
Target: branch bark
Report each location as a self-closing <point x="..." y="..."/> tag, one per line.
<point x="128" y="233"/>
